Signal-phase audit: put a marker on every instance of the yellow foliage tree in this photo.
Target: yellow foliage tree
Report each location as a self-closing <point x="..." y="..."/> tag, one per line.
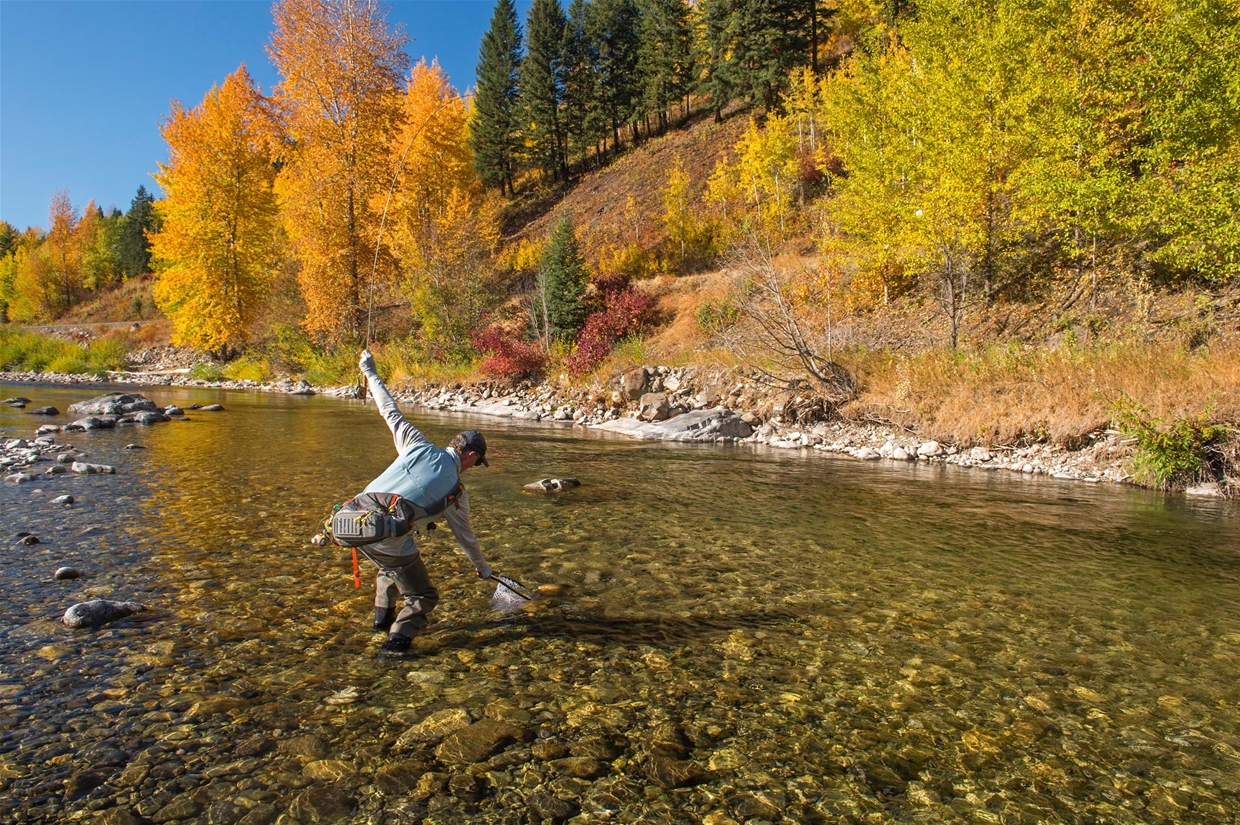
<point x="759" y="191"/>
<point x="219" y="235"/>
<point x="34" y="287"/>
<point x="342" y="69"/>
<point x="64" y="255"/>
<point x="443" y="237"/>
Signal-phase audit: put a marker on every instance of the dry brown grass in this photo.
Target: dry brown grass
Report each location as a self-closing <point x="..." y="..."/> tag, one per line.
<point x="1013" y="394"/>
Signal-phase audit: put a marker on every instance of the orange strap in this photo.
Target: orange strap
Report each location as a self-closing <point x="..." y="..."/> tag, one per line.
<point x="357" y="574"/>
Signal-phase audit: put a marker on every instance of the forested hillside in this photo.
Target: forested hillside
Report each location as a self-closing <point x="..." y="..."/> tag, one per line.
<point x="901" y="204"/>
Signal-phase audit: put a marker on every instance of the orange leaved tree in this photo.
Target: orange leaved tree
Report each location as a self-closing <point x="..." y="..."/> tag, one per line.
<point x="219" y="235"/>
<point x="441" y="233"/>
<point x="342" y="69"/>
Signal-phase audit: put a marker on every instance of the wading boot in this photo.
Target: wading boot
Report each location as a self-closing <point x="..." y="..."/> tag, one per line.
<point x="396" y="645"/>
<point x="383" y="620"/>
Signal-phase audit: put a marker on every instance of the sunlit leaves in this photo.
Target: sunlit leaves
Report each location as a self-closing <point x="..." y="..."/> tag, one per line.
<point x="342" y="69"/>
<point x="218" y="241"/>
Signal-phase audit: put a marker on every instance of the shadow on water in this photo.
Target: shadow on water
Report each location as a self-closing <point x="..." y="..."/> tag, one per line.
<point x="565" y="622"/>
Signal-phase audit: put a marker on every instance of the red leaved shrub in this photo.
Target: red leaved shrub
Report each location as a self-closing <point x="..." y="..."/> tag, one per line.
<point x="625" y="312"/>
<point x="507" y="357"/>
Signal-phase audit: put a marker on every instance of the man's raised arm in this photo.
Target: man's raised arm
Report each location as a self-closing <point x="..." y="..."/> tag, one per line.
<point x="403" y="433"/>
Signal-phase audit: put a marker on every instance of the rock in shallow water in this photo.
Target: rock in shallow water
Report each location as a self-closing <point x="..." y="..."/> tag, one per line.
<point x="99" y="612"/>
<point x="478" y="741"/>
<point x="67" y="574"/>
<point x="92" y="469"/>
<point x="551" y="485"/>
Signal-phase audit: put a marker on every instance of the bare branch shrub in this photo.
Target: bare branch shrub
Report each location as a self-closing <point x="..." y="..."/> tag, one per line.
<point x="785" y="334"/>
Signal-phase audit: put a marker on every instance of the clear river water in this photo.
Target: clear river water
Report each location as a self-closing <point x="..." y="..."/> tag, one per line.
<point x="724" y="635"/>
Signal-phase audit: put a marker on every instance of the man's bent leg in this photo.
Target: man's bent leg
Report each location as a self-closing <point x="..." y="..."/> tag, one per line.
<point x="402" y="572"/>
<point x="419" y="594"/>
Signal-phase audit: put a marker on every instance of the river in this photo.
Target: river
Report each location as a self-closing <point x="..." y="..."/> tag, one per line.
<point x="727" y="634"/>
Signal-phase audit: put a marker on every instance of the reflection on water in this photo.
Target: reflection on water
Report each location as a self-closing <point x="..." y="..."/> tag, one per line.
<point x="726" y="636"/>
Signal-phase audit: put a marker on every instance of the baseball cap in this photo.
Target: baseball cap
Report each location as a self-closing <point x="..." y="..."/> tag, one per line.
<point x="475" y="443"/>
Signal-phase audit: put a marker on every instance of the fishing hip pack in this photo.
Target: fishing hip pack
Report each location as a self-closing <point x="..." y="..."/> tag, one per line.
<point x="373" y="517"/>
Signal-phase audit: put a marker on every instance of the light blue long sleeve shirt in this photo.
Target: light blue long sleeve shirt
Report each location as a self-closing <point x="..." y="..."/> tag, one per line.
<point x="422" y="473"/>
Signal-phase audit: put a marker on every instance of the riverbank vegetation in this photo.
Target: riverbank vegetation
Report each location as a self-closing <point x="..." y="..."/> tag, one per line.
<point x="985" y="223"/>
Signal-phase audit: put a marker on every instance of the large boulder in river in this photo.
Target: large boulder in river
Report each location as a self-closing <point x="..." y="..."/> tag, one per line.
<point x="148" y="417"/>
<point x="113" y="403"/>
<point x="99" y="612"/>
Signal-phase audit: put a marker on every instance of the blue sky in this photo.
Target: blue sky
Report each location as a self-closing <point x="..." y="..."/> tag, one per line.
<point x="84" y="84"/>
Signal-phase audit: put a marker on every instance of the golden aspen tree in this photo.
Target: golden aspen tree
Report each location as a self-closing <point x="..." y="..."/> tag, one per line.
<point x="84" y="237"/>
<point x="33" y="295"/>
<point x="441" y="232"/>
<point x="342" y="67"/>
<point x="219" y="236"/>
<point x="63" y="255"/>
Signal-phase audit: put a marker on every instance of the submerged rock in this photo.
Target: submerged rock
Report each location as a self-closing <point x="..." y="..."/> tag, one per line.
<point x="551" y="485"/>
<point x="477" y="742"/>
<point x="43" y="411"/>
<point x="99" y="612"/>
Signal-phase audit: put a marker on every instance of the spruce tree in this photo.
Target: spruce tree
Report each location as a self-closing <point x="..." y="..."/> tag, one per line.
<point x="754" y="44"/>
<point x="135" y="247"/>
<point x="665" y="56"/>
<point x="613" y="31"/>
<point x="580" y="115"/>
<point x="494" y="134"/>
<point x="563" y="280"/>
<point x="542" y="88"/>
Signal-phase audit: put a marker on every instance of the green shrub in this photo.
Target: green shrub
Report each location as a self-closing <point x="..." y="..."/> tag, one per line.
<point x="1179" y="453"/>
<point x="248" y="368"/>
<point x="206" y="371"/>
<point x="21" y="350"/>
<point x="107" y="354"/>
<point x="713" y="318"/>
<point x="69" y="364"/>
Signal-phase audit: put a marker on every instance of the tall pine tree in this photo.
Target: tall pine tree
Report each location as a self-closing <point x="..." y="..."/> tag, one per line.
<point x="135" y="246"/>
<point x="494" y="135"/>
<point x="580" y="114"/>
<point x="665" y="55"/>
<point x="613" y="30"/>
<point x="542" y="88"/>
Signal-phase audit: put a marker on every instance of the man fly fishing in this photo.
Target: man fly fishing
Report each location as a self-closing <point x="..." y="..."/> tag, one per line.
<point x="428" y="478"/>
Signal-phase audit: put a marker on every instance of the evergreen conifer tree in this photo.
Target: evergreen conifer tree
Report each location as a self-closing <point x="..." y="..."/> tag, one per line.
<point x="581" y="117"/>
<point x="665" y="55"/>
<point x="542" y="88"/>
<point x="135" y="247"/>
<point x="613" y="25"/>
<point x="563" y="280"/>
<point x="754" y="44"/>
<point x="494" y="133"/>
